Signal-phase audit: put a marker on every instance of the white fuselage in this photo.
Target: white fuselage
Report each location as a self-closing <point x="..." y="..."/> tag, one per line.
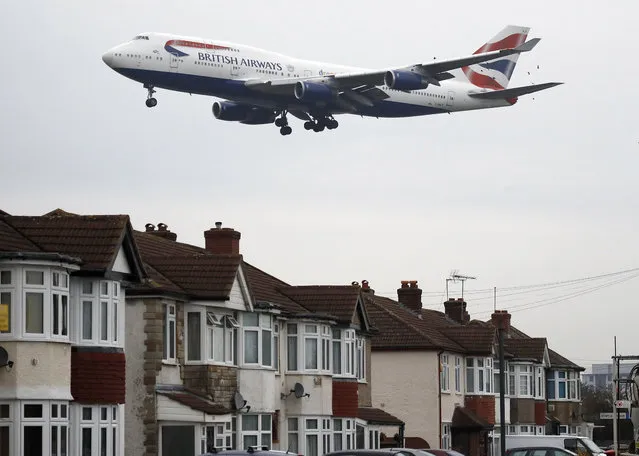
<point x="222" y="69"/>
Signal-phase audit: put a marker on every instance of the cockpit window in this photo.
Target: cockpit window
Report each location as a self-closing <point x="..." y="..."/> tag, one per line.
<point x="141" y="37"/>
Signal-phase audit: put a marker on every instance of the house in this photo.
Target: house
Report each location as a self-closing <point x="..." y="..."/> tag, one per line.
<point x="222" y="354"/>
<point x="63" y="283"/>
<point x="450" y="369"/>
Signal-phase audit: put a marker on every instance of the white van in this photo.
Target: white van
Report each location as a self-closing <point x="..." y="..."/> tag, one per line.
<point x="583" y="446"/>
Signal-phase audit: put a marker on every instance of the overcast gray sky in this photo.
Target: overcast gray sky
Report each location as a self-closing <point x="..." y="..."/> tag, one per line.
<point x="540" y="192"/>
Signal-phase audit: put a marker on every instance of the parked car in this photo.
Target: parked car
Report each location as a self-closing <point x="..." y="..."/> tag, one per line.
<point x="442" y="452"/>
<point x="382" y="452"/>
<point x="253" y="451"/>
<point x="539" y="451"/>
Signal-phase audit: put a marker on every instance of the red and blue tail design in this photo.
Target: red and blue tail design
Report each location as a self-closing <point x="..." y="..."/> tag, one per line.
<point x="495" y="74"/>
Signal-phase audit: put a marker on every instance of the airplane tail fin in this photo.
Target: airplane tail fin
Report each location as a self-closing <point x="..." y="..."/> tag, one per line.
<point x="495" y="74"/>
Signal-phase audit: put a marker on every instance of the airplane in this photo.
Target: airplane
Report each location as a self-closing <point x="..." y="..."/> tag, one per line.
<point x="262" y="87"/>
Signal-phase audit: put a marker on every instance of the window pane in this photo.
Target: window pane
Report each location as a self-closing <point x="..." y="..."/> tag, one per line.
<point x="292" y="353"/>
<point x="218" y="343"/>
<point x="250" y="346"/>
<point x="250" y="422"/>
<point x="65" y="315"/>
<point x="87" y="413"/>
<point x="104" y="288"/>
<point x="310" y="353"/>
<point x="311" y="446"/>
<point x="5" y="277"/>
<point x="250" y="440"/>
<point x="337" y="357"/>
<point x="64" y="432"/>
<point x="55" y="317"/>
<point x="87" y="287"/>
<point x="34" y="307"/>
<point x="103" y="441"/>
<point x="86" y="442"/>
<point x="266" y="348"/>
<point x="54" y="441"/>
<point x="32" y="410"/>
<point x="193" y="327"/>
<point x="32" y="440"/>
<point x="470" y="380"/>
<point x="115" y="321"/>
<point x="266" y="422"/>
<point x="250" y="319"/>
<point x="104" y="320"/>
<point x="34" y="278"/>
<point x="87" y="320"/>
<point x="5" y="298"/>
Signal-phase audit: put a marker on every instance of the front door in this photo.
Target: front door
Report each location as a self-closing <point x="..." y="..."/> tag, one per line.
<point x="235" y="70"/>
<point x="174" y="63"/>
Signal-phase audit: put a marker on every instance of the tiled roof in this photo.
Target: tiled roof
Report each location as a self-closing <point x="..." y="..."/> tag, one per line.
<point x="96" y="239"/>
<point x="401" y="328"/>
<point x="195" y="402"/>
<point x="332" y="300"/>
<point x="532" y="348"/>
<point x="377" y="416"/>
<point x="466" y="419"/>
<point x="264" y="287"/>
<point x="557" y="361"/>
<point x="475" y="340"/>
<point x="153" y="245"/>
<point x="204" y="276"/>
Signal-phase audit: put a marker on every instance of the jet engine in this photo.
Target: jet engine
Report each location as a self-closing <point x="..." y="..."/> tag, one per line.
<point x="246" y="114"/>
<point x="313" y="92"/>
<point x="404" y="80"/>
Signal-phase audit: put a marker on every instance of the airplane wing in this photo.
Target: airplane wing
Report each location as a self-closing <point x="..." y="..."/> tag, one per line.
<point x="358" y="87"/>
<point x="513" y="92"/>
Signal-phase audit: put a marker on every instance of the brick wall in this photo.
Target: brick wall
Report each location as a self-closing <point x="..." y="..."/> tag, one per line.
<point x="565" y="412"/>
<point x="522" y="411"/>
<point x="482" y="406"/>
<point x="98" y="375"/>
<point x="218" y="382"/>
<point x="364" y="389"/>
<point x="345" y="400"/>
<point x="540" y="413"/>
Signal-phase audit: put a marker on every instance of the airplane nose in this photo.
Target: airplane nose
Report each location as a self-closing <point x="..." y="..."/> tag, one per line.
<point x="107" y="57"/>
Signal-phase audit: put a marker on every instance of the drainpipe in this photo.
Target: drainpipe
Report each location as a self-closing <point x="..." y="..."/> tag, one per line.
<point x="439" y="395"/>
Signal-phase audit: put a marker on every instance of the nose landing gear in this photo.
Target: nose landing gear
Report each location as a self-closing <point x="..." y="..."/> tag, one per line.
<point x="150" y="101"/>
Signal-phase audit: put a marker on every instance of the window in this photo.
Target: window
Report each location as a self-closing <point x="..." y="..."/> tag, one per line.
<point x="511" y="380"/>
<point x="360" y="358"/>
<point x="221" y="336"/>
<point x="98" y="315"/>
<point x="337" y="351"/>
<point x="193" y="336"/>
<point x="445" y="436"/>
<point x="34" y="313"/>
<point x="479" y="375"/>
<point x="343" y="434"/>
<point x="572" y="385"/>
<point x="539" y="383"/>
<point x="292" y="355"/>
<point x="293" y="435"/>
<point x="5" y="310"/>
<point x="457" y="374"/>
<point x="59" y="314"/>
<point x="311" y="344"/>
<point x="444" y="373"/>
<point x="276" y="347"/>
<point x="525" y="380"/>
<point x="256" y="430"/>
<point x="326" y="349"/>
<point x="168" y="333"/>
<point x="98" y="430"/>
<point x="59" y="429"/>
<point x="214" y="437"/>
<point x="563" y="385"/>
<point x="349" y="355"/>
<point x="258" y="338"/>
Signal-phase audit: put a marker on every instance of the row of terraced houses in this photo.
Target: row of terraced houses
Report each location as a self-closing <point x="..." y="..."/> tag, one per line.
<point x="124" y="342"/>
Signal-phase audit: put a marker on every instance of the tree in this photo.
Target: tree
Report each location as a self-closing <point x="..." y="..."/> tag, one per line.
<point x="595" y="400"/>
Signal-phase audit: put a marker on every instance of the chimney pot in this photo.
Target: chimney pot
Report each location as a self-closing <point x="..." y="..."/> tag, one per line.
<point x="218" y="225"/>
<point x="162" y="226"/>
<point x="410" y="295"/>
<point x="162" y="231"/>
<point x="149" y="227"/>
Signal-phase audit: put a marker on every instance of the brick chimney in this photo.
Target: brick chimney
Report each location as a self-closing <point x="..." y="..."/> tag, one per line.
<point x="501" y="320"/>
<point x="162" y="231"/>
<point x="410" y="295"/>
<point x="455" y="309"/>
<point x="220" y="240"/>
<point x="366" y="288"/>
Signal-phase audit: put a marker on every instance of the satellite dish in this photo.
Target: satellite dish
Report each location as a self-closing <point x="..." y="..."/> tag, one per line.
<point x="4" y="358"/>
<point x="239" y="401"/>
<point x="298" y="389"/>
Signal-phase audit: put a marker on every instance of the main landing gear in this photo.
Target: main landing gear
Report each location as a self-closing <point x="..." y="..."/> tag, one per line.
<point x="320" y="124"/>
<point x="282" y="122"/>
<point x="150" y="101"/>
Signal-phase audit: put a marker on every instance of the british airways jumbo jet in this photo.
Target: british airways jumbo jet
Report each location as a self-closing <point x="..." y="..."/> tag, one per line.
<point x="262" y="87"/>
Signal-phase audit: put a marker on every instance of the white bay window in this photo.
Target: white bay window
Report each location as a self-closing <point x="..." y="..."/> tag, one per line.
<point x="309" y="347"/>
<point x="99" y="313"/>
<point x="257" y="329"/>
<point x="479" y="375"/>
<point x="211" y="337"/>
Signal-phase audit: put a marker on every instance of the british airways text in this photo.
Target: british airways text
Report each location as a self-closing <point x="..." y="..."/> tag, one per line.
<point x="253" y="63"/>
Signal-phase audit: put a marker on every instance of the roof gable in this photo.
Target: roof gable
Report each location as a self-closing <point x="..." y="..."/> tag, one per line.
<point x="337" y="301"/>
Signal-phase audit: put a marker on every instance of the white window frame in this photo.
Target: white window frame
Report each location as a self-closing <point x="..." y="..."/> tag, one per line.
<point x="525" y="381"/>
<point x="444" y="374"/>
<point x="218" y="439"/>
<point x="263" y="434"/>
<point x="169" y="340"/>
<point x="446" y="436"/>
<point x="106" y="327"/>
<point x="540" y="382"/>
<point x="345" y="434"/>
<point x="458" y="370"/>
<point x="220" y="326"/>
<point x="264" y="332"/>
<point x="8" y="290"/>
<point x="309" y="334"/>
<point x="360" y="358"/>
<point x="105" y="427"/>
<point x="337" y="352"/>
<point x="480" y="370"/>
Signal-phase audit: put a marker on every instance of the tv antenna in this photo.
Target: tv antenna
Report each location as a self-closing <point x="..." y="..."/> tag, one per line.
<point x="455" y="277"/>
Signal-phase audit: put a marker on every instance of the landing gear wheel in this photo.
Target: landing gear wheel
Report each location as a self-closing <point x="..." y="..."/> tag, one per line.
<point x="286" y="130"/>
<point x="280" y="122"/>
<point x="318" y="127"/>
<point x="151" y="102"/>
<point x="332" y="124"/>
<point x="308" y="125"/>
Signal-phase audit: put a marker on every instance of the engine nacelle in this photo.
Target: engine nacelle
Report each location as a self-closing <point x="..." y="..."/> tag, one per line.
<point x="236" y="112"/>
<point x="313" y="92"/>
<point x="404" y="80"/>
